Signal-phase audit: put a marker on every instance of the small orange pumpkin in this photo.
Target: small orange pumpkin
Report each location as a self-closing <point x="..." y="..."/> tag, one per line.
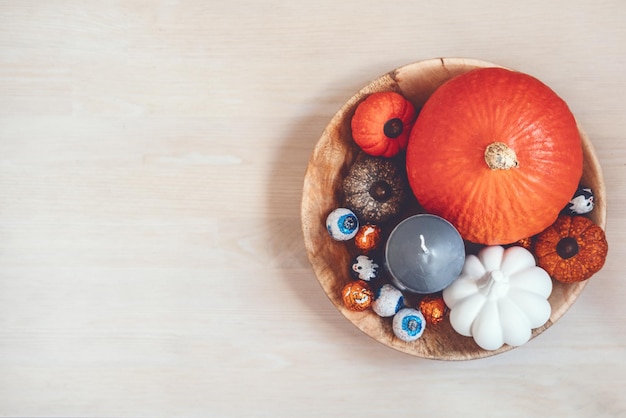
<point x="495" y="152"/>
<point x="572" y="249"/>
<point x="382" y="122"/>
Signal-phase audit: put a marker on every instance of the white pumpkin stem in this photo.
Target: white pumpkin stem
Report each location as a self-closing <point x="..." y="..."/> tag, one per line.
<point x="493" y="283"/>
<point x="499" y="156"/>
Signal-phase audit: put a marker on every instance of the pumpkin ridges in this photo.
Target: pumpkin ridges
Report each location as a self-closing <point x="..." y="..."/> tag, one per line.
<point x="570" y="269"/>
<point x="534" y="186"/>
<point x="489" y="193"/>
<point x="552" y="263"/>
<point x="368" y="140"/>
<point x="533" y="156"/>
<point x="533" y="152"/>
<point x="548" y="116"/>
<point x="408" y="115"/>
<point x="543" y="248"/>
<point x="363" y="117"/>
<point x="376" y="148"/>
<point x="403" y="110"/>
<point x="592" y="233"/>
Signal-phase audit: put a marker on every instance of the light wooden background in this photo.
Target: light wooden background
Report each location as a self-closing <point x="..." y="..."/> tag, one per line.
<point x="152" y="154"/>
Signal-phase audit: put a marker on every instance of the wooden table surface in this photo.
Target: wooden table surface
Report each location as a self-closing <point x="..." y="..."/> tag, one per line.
<point x="152" y="154"/>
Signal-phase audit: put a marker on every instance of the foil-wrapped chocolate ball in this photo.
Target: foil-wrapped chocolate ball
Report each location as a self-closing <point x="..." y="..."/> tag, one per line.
<point x="582" y="202"/>
<point x="389" y="300"/>
<point x="526" y="243"/>
<point x="408" y="324"/>
<point x="342" y="224"/>
<point x="368" y="237"/>
<point x="364" y="268"/>
<point x="357" y="296"/>
<point x="433" y="308"/>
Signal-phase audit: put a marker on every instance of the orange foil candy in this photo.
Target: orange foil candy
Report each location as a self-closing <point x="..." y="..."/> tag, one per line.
<point x="434" y="309"/>
<point x="357" y="296"/>
<point x="368" y="237"/>
<point x="526" y="243"/>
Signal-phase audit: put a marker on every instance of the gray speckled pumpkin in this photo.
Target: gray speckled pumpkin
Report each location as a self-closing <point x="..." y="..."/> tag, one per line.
<point x="375" y="188"/>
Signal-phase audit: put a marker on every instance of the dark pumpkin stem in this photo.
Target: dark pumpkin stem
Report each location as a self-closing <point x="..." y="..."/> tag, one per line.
<point x="567" y="248"/>
<point x="380" y="191"/>
<point x="393" y="128"/>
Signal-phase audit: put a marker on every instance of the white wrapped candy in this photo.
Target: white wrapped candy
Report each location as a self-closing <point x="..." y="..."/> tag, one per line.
<point x="364" y="268"/>
<point x="342" y="224"/>
<point x="408" y="324"/>
<point x="388" y="301"/>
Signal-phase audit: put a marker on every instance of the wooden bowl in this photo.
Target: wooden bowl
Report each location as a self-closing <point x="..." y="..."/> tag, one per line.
<point x="322" y="193"/>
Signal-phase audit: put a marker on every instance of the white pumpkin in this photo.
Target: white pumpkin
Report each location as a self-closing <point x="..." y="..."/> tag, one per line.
<point x="500" y="297"/>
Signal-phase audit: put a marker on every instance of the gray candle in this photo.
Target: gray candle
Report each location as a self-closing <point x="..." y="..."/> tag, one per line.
<point x="424" y="254"/>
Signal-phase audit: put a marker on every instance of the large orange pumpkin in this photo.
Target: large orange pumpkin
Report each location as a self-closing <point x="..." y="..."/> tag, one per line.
<point x="495" y="152"/>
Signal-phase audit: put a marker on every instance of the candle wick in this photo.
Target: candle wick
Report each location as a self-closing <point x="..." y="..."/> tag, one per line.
<point x="423" y="245"/>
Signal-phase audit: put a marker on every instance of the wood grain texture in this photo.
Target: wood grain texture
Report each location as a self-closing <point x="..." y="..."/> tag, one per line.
<point x="152" y="159"/>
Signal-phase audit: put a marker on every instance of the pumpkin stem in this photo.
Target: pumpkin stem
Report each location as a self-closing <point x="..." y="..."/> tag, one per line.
<point x="393" y="128"/>
<point x="493" y="284"/>
<point x="499" y="156"/>
<point x="567" y="248"/>
<point x="380" y="191"/>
